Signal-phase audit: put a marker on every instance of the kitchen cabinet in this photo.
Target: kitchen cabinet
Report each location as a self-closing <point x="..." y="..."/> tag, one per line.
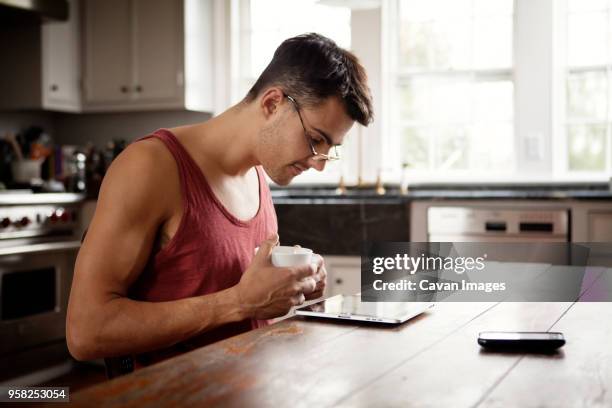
<point x="41" y="68"/>
<point x="61" y="75"/>
<point x="112" y="56"/>
<point x="343" y="275"/>
<point x="107" y="51"/>
<point x="600" y="226"/>
<point x="137" y="53"/>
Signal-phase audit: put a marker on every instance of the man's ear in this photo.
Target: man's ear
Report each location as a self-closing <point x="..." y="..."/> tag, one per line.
<point x="270" y="101"/>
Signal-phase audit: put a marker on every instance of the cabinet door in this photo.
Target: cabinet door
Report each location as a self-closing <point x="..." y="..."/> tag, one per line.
<point x="61" y="63"/>
<point x="158" y="53"/>
<point x="600" y="227"/>
<point x="343" y="275"/>
<point x="108" y="41"/>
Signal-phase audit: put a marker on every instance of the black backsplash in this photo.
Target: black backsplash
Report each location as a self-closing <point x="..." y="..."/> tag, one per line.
<point x="340" y="229"/>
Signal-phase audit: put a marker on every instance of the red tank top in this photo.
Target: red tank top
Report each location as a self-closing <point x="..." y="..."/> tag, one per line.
<point x="208" y="253"/>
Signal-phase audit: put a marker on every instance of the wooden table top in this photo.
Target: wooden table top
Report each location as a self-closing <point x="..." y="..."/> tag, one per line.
<point x="430" y="361"/>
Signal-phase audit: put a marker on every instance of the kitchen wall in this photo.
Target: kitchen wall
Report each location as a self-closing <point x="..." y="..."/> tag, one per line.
<point x="98" y="128"/>
<point x="16" y="121"/>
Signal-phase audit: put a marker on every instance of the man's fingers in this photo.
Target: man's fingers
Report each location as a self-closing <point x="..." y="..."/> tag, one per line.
<point x="314" y="295"/>
<point x="307" y="285"/>
<point x="320" y="285"/>
<point x="318" y="260"/>
<point x="298" y="299"/>
<point x="304" y="271"/>
<point x="265" y="249"/>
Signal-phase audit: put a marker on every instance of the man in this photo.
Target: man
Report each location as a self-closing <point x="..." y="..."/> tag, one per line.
<point x="168" y="262"/>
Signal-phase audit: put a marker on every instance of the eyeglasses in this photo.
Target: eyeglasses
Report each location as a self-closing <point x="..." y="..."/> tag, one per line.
<point x="333" y="152"/>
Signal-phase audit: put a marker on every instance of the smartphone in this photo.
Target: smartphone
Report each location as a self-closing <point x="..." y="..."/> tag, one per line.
<point x="544" y="341"/>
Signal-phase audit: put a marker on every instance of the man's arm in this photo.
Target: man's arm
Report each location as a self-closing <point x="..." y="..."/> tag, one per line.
<point x="133" y="202"/>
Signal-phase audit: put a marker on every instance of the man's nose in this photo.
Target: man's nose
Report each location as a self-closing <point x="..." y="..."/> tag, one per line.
<point x="318" y="165"/>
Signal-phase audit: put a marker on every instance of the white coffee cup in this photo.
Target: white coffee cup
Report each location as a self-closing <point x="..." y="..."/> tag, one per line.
<point x="286" y="256"/>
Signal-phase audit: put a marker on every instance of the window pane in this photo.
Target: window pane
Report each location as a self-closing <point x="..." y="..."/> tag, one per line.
<point x="485" y="147"/>
<point x="264" y="43"/>
<point x="451" y="101"/>
<point x="493" y="42"/>
<point x="415" y="147"/>
<point x="435" y="45"/>
<point x="493" y="7"/>
<point x="587" y="147"/>
<point x="435" y="101"/>
<point x="452" y="44"/>
<point x="417" y="41"/>
<point x="586" y="5"/>
<point x="456" y="35"/>
<point x="453" y="148"/>
<point x="610" y="39"/>
<point x="419" y="10"/>
<point x="457" y="108"/>
<point x="494" y="101"/>
<point x="610" y="95"/>
<point x="274" y="21"/>
<point x="587" y="95"/>
<point x="414" y="101"/>
<point x="588" y="39"/>
<point x="492" y="147"/>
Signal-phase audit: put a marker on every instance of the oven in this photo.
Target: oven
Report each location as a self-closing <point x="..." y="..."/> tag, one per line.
<point x="39" y="241"/>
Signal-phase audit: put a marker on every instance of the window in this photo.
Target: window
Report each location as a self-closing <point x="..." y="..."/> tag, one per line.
<point x="453" y="94"/>
<point x="475" y="90"/>
<point x="589" y="86"/>
<point x="267" y="23"/>
<point x="264" y="25"/>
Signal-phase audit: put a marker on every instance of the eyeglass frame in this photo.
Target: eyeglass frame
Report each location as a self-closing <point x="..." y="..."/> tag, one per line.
<point x="315" y="156"/>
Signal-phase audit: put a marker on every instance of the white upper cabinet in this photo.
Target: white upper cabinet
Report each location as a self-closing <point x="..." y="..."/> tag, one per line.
<point x="159" y="49"/>
<point x="108" y="51"/>
<point x="61" y="63"/>
<point x="135" y="54"/>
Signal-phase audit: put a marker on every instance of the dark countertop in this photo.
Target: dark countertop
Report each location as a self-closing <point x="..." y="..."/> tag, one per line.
<point x="328" y="195"/>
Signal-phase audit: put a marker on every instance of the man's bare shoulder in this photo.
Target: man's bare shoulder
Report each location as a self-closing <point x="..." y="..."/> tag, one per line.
<point x="146" y="160"/>
<point x="144" y="174"/>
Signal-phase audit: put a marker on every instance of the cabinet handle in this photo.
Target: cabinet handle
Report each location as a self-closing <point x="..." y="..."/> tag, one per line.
<point x="339" y="281"/>
<point x="138" y="88"/>
<point x="124" y="89"/>
<point x="54" y="87"/>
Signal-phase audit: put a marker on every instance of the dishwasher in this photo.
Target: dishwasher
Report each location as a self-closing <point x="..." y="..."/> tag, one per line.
<point x="468" y="224"/>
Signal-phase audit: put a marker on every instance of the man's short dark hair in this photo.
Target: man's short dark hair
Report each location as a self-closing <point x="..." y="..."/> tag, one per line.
<point x="310" y="68"/>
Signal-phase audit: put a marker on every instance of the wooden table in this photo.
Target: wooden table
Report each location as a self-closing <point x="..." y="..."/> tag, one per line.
<point x="431" y="361"/>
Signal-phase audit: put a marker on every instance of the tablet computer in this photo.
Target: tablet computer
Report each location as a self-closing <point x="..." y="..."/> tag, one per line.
<point x="350" y="307"/>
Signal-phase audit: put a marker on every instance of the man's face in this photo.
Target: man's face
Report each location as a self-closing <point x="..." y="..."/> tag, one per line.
<point x="284" y="149"/>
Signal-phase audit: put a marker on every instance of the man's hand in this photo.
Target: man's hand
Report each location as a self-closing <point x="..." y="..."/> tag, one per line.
<point x="320" y="278"/>
<point x="266" y="291"/>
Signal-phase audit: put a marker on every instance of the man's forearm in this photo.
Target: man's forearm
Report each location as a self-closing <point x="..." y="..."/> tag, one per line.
<point x="125" y="326"/>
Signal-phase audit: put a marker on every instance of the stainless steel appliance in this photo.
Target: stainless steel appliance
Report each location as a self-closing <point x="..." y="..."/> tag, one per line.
<point x="39" y="240"/>
<point x="465" y="224"/>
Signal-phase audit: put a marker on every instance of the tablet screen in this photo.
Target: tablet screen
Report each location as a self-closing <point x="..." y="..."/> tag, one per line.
<point x="352" y="305"/>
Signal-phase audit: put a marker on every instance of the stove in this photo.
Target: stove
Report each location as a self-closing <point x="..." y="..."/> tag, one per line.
<point x="39" y="241"/>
